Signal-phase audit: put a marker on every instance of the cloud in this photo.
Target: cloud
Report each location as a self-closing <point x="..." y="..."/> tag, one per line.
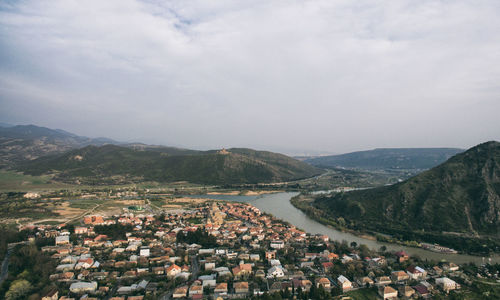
<point x="315" y="75"/>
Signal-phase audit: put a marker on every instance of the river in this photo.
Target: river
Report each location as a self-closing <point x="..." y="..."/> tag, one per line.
<point x="279" y="205"/>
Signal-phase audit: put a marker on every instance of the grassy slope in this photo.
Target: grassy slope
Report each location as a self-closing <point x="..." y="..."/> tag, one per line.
<point x="240" y="166"/>
<point x="466" y="187"/>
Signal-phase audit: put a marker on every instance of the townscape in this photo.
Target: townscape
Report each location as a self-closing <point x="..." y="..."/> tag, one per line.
<point x="228" y="250"/>
<point x="264" y="150"/>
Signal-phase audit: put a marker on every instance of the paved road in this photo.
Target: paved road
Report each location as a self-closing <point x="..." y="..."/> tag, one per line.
<point x="194" y="275"/>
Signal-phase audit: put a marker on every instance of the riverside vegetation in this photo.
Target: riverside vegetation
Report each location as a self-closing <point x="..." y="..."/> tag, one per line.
<point x="454" y="204"/>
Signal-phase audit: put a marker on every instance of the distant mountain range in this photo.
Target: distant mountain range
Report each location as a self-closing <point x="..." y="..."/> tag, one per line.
<point x="387" y="159"/>
<point x="72" y="158"/>
<point x="461" y="195"/>
<point x="26" y="142"/>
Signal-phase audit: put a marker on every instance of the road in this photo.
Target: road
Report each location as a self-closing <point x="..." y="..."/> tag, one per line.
<point x="196" y="270"/>
<point x="67" y="220"/>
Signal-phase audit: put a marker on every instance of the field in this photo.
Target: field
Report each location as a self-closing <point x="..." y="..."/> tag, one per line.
<point x="14" y="181"/>
<point x="364" y="294"/>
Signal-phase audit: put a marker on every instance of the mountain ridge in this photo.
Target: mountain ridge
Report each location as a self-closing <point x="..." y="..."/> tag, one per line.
<point x="459" y="195"/>
<point x="387" y="158"/>
<point x="101" y="164"/>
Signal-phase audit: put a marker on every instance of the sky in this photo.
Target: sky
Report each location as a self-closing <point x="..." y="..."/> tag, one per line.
<point x="299" y="77"/>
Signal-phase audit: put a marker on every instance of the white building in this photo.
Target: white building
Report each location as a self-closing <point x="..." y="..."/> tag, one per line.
<point x="275" y="262"/>
<point x="144" y="252"/>
<point x="344" y="283"/>
<point x="62" y="240"/>
<point x="83" y="287"/>
<point x="447" y="284"/>
<point x="277" y="244"/>
<point x="276" y="272"/>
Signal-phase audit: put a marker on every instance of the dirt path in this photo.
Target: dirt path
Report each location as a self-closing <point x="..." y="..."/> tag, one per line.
<point x="67" y="219"/>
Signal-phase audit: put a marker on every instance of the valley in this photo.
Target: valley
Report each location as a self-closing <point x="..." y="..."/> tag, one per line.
<point x="344" y="210"/>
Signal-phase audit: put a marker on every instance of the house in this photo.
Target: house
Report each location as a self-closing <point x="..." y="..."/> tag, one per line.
<point x="422" y="291"/>
<point x="387" y="292"/>
<point x="85" y="263"/>
<point x="399" y="276"/>
<point x="196" y="290"/>
<point x="242" y="270"/>
<point x="346" y="259"/>
<point x="144" y="251"/>
<point x="277" y="244"/>
<point x="332" y="256"/>
<point x="62" y="240"/>
<point x="327" y="266"/>
<point x="451" y="267"/>
<point x="270" y="254"/>
<point x="173" y="270"/>
<point x="221" y="288"/>
<point x="304" y="284"/>
<point x="241" y="287"/>
<point x="344" y="283"/>
<point x="402" y="256"/>
<point x="382" y="281"/>
<point x="406" y="291"/>
<point x="81" y="230"/>
<point x="275" y="287"/>
<point x="180" y="292"/>
<point x="280" y="286"/>
<point x="274" y="262"/>
<point x="254" y="257"/>
<point x="209" y="266"/>
<point x="260" y="274"/>
<point x="446" y="284"/>
<point x="324" y="282"/>
<point x="208" y="280"/>
<point x="276" y="272"/>
<point x="437" y="270"/>
<point x="416" y="272"/>
<point x="83" y="287"/>
<point x="365" y="281"/>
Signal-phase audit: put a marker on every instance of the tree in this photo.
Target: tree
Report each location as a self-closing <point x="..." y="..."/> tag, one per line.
<point x="19" y="289"/>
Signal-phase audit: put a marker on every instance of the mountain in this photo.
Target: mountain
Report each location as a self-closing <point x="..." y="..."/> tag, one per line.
<point x="461" y="195"/>
<point x="116" y="164"/>
<point x="387" y="159"/>
<point x="26" y="142"/>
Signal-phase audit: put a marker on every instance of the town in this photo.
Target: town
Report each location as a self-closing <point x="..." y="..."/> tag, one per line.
<point x="227" y="250"/>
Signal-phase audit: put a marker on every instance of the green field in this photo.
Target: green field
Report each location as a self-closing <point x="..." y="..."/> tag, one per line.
<point x="85" y="203"/>
<point x="364" y="294"/>
<point x="14" y="181"/>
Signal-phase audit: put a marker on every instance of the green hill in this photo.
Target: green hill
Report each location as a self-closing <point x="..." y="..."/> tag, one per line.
<point x="461" y="195"/>
<point x="115" y="164"/>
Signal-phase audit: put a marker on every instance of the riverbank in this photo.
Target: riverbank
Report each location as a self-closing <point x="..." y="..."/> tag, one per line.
<point x="303" y="203"/>
<point x="278" y="205"/>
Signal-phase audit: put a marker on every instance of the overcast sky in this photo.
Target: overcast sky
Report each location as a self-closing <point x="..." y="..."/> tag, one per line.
<point x="291" y="76"/>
